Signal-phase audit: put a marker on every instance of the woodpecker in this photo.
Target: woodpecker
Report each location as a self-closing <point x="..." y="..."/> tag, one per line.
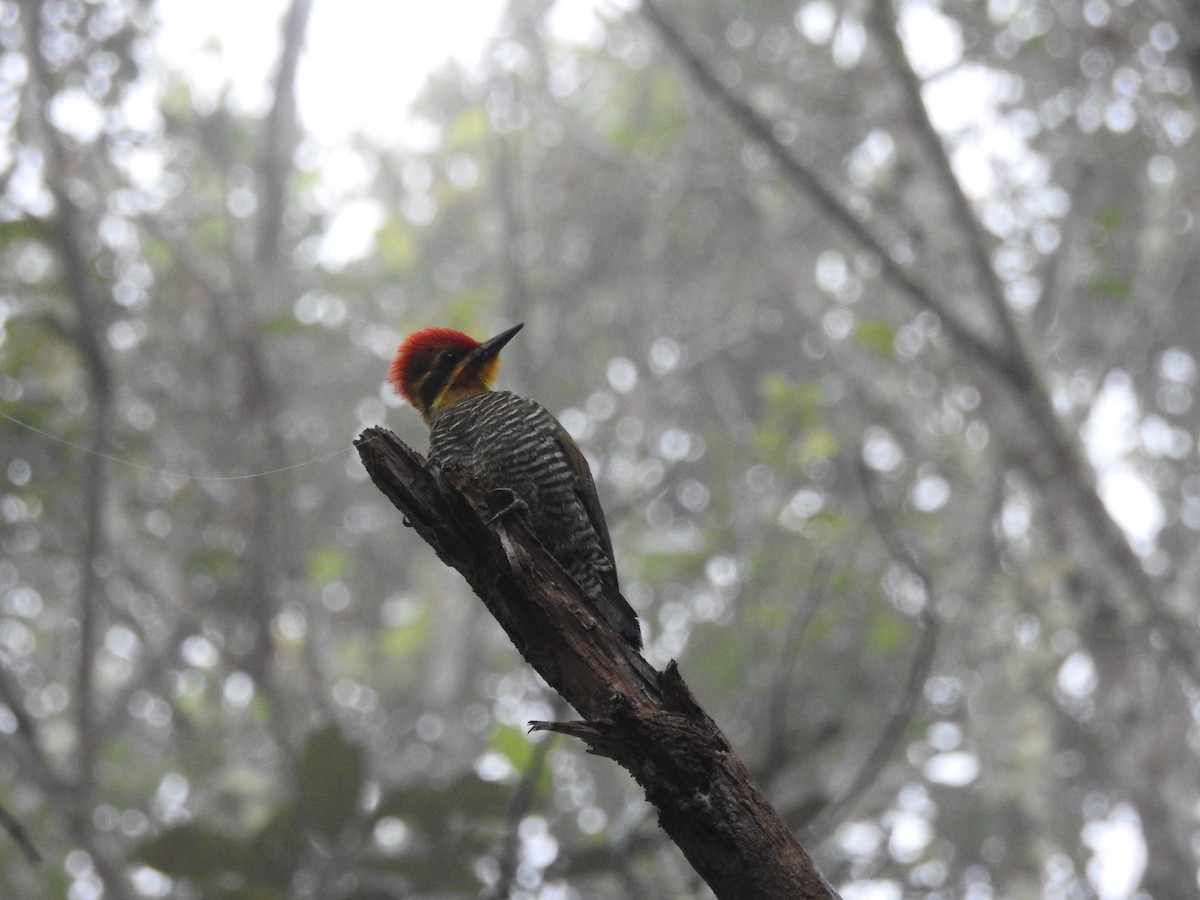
<point x="515" y="444"/>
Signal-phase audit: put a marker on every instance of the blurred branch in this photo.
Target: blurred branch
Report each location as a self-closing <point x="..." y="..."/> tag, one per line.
<point x="10" y="694"/>
<point x="646" y="721"/>
<point x="522" y="801"/>
<point x="1058" y="448"/>
<point x="1058" y="462"/>
<point x="903" y="706"/>
<point x="87" y="301"/>
<point x="1072" y="225"/>
<point x="30" y="756"/>
<point x="1143" y="599"/>
<point x="760" y="128"/>
<point x="279" y="137"/>
<point x="780" y="738"/>
<point x="20" y="836"/>
<point x="933" y="151"/>
<point x="262" y="282"/>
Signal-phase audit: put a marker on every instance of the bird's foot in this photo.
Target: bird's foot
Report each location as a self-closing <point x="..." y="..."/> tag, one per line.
<point x="511" y="503"/>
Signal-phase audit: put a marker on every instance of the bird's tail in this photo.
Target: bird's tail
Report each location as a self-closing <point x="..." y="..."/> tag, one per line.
<point x="617" y="612"/>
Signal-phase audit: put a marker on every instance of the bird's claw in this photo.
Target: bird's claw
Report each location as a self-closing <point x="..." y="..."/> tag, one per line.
<point x="513" y="503"/>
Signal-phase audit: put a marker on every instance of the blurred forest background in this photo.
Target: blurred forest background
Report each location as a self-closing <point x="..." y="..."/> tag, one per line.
<point x="878" y="321"/>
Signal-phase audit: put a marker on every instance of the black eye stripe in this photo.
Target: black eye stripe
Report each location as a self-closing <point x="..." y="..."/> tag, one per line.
<point x="435" y="381"/>
<point x="429" y="388"/>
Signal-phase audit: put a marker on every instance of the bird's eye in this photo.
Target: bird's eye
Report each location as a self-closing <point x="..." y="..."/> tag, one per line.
<point x="450" y="356"/>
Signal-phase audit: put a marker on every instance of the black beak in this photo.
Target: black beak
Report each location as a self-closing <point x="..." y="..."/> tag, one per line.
<point x="491" y="348"/>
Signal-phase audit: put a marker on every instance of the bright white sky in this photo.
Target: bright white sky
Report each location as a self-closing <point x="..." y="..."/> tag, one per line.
<point x="363" y="64"/>
<point x="364" y="61"/>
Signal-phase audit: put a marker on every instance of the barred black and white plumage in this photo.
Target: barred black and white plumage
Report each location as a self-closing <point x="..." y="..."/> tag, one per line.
<point x="515" y="443"/>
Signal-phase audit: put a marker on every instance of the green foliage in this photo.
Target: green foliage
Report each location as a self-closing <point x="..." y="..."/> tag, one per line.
<point x="651" y="123"/>
<point x="1116" y="289"/>
<point x="887" y="633"/>
<point x="196" y="851"/>
<point x="395" y="245"/>
<point x="432" y="811"/>
<point x="455" y="825"/>
<point x="16" y="231"/>
<point x="513" y="743"/>
<point x="469" y="130"/>
<point x="876" y="335"/>
<point x="281" y="848"/>
<point x="324" y="813"/>
<point x="724" y="660"/>
<point x="792" y="434"/>
<point x="331" y="776"/>
<point x="216" y="563"/>
<point x="405" y="641"/>
<point x="35" y="350"/>
<point x="327" y="564"/>
<point x="1109" y="220"/>
<point x="281" y="325"/>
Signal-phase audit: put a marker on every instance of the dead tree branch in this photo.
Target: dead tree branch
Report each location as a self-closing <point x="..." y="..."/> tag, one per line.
<point x="645" y="720"/>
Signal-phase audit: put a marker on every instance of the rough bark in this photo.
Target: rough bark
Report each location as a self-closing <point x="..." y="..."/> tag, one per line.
<point x="645" y="720"/>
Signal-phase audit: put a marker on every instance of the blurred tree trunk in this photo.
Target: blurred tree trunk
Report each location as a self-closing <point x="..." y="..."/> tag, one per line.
<point x="70" y="226"/>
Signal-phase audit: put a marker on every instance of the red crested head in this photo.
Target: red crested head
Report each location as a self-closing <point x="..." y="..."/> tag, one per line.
<point x="418" y="354"/>
<point x="435" y="367"/>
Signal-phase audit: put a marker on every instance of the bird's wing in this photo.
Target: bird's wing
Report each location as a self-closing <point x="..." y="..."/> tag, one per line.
<point x="585" y="488"/>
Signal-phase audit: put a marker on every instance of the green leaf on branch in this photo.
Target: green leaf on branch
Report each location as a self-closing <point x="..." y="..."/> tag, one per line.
<point x="332" y="771"/>
<point x="193" y="851"/>
<point x="876" y="334"/>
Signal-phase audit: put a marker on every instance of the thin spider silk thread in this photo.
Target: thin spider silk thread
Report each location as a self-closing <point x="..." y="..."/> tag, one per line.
<point x="183" y="475"/>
